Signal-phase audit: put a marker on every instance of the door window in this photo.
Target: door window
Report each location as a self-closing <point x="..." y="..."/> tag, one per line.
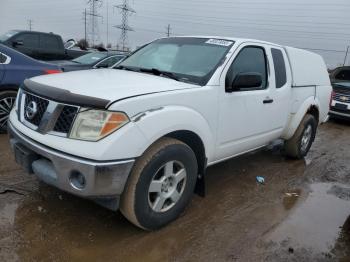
<point x="29" y="40"/>
<point x="280" y="67"/>
<point x="2" y="58"/>
<point x="250" y="59"/>
<point x="49" y="42"/>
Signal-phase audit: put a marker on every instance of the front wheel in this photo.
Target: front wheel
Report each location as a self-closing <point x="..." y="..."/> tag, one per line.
<point x="161" y="184"/>
<point x="300" y="143"/>
<point x="7" y="101"/>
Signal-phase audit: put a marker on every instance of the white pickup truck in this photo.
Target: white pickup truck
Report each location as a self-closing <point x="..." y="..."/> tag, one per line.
<point x="139" y="137"/>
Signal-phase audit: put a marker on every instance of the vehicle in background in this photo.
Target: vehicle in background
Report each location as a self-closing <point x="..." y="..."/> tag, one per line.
<point x="340" y="104"/>
<point x="340" y="74"/>
<point x="39" y="45"/>
<point x="91" y="61"/>
<point x="141" y="136"/>
<point x="15" y="67"/>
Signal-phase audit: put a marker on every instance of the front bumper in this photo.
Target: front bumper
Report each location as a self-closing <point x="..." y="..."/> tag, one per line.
<point x="103" y="181"/>
<point x="339" y="114"/>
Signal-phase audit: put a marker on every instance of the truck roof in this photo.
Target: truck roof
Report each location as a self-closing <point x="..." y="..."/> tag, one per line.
<point x="33" y="32"/>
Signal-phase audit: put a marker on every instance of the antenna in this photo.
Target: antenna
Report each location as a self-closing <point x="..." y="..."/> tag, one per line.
<point x="126" y="11"/>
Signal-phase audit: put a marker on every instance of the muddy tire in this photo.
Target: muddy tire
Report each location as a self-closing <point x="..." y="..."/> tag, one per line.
<point x="7" y="101"/>
<point x="161" y="184"/>
<point x="299" y="145"/>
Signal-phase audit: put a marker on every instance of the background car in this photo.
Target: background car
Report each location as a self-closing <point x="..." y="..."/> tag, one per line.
<point x="90" y="61"/>
<point x="39" y="45"/>
<point x="340" y="74"/>
<point x="340" y="104"/>
<point x="15" y="67"/>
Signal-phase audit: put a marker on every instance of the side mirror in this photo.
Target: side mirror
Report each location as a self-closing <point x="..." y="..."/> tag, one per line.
<point x="245" y="81"/>
<point x="17" y="43"/>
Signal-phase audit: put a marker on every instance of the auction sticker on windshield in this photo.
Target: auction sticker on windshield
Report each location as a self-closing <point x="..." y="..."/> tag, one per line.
<point x="219" y="42"/>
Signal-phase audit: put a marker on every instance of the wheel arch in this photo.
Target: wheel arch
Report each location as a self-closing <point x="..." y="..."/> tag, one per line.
<point x="195" y="143"/>
<point x="6" y="87"/>
<point x="309" y="106"/>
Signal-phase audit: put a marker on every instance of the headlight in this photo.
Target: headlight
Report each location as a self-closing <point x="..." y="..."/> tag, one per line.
<point x="92" y="125"/>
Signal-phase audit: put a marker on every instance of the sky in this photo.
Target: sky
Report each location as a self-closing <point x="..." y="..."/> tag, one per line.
<point x="320" y="25"/>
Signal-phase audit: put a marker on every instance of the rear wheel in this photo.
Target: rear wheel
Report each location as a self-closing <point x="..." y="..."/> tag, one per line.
<point x="161" y="184"/>
<point x="299" y="145"/>
<point x="7" y="101"/>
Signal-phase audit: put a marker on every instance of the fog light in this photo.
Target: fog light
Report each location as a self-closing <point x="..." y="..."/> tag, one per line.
<point x="77" y="180"/>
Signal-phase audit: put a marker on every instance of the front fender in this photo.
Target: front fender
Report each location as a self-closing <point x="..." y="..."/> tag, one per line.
<point x="298" y="113"/>
<point x="159" y="122"/>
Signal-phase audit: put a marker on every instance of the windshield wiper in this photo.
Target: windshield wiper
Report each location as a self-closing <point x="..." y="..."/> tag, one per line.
<point x="158" y="72"/>
<point x="128" y="68"/>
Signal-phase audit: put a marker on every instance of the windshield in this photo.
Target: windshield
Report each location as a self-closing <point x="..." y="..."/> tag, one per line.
<point x="89" y="59"/>
<point x="7" y="35"/>
<point x="189" y="59"/>
<point x="342" y="84"/>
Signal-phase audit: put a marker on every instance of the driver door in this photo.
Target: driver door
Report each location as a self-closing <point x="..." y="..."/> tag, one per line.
<point x="244" y="113"/>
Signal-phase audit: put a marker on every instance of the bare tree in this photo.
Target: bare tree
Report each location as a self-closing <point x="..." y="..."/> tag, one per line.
<point x="83" y="44"/>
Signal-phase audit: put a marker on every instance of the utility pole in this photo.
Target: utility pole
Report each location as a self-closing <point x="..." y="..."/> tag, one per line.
<point x="85" y="22"/>
<point x="93" y="14"/>
<point x="346" y="55"/>
<point x="107" y="24"/>
<point x="30" y="24"/>
<point x="168" y="31"/>
<point x="126" y="11"/>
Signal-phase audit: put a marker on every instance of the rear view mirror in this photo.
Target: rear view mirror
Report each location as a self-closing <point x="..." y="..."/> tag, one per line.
<point x="245" y="80"/>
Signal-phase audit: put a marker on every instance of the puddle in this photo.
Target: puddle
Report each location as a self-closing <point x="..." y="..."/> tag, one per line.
<point x="291" y="198"/>
<point x="315" y="224"/>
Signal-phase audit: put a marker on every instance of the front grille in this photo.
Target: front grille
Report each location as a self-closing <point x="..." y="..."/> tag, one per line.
<point x="45" y="118"/>
<point x="41" y="105"/>
<point x="65" y="120"/>
<point x="342" y="97"/>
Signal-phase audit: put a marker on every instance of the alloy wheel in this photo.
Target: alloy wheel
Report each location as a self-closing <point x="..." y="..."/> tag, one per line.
<point x="167" y="186"/>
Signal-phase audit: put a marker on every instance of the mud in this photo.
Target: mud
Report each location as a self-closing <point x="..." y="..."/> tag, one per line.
<point x="301" y="213"/>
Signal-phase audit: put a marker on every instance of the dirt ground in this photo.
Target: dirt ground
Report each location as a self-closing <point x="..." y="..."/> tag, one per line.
<point x="302" y="213"/>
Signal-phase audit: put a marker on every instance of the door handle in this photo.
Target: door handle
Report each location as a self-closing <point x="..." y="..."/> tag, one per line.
<point x="268" y="101"/>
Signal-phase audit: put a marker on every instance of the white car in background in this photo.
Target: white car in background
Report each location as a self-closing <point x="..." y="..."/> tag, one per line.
<point x="140" y="137"/>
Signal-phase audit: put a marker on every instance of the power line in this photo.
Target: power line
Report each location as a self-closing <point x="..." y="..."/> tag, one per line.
<point x="256" y="20"/>
<point x="235" y="11"/>
<point x="126" y="11"/>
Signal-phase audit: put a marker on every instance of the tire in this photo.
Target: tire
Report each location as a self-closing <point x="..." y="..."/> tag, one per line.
<point x="7" y="101"/>
<point x="151" y="208"/>
<point x="299" y="145"/>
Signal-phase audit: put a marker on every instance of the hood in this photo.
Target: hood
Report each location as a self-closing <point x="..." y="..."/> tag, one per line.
<point x="109" y="84"/>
